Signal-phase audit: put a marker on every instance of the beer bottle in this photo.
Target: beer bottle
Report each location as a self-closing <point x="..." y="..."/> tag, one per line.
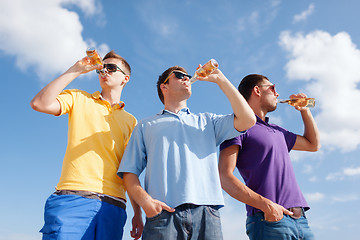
<point x="205" y="70"/>
<point x="300" y="102"/>
<point x="94" y="56"/>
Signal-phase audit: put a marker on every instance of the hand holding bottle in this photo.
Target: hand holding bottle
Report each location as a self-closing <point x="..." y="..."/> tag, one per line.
<point x="299" y="101"/>
<point x="94" y="56"/>
<point x="89" y="63"/>
<point x="205" y="70"/>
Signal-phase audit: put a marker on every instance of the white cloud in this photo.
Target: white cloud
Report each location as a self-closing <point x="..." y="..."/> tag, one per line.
<point x="158" y="18"/>
<point x="43" y="35"/>
<point x="341" y="175"/>
<point x="259" y="20"/>
<point x="313" y="179"/>
<point x="276" y="120"/>
<point x="345" y="198"/>
<point x="275" y="3"/>
<point x="352" y="171"/>
<point x="329" y="67"/>
<point x="314" y="197"/>
<point x="303" y="156"/>
<point x="307" y="168"/>
<point x="305" y="14"/>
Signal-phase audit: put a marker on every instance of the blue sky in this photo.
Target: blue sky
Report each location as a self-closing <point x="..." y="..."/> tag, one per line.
<point x="302" y="46"/>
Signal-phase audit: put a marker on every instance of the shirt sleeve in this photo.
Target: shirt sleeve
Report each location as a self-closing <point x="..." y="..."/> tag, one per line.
<point x="134" y="158"/>
<point x="234" y="141"/>
<point x="66" y="100"/>
<point x="224" y="128"/>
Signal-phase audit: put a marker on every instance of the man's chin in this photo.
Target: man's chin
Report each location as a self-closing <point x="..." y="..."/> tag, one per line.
<point x="272" y="109"/>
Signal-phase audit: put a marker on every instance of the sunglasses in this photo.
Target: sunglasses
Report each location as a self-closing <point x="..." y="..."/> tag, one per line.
<point x="178" y="75"/>
<point x="271" y="86"/>
<point x="110" y="67"/>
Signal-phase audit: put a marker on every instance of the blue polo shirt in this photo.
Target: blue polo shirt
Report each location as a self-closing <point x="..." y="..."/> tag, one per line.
<point x="265" y="165"/>
<point x="179" y="152"/>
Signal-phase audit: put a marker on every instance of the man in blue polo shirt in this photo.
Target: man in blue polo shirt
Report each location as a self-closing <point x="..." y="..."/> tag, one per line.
<point x="262" y="158"/>
<point x="178" y="148"/>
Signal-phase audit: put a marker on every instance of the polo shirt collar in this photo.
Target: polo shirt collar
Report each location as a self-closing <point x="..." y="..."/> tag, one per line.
<point x="185" y="110"/>
<point x="97" y="95"/>
<point x="260" y="120"/>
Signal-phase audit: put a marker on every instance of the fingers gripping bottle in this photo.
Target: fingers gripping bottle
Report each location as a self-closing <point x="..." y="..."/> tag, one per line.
<point x="300" y="102"/>
<point x="94" y="56"/>
<point x="205" y="70"/>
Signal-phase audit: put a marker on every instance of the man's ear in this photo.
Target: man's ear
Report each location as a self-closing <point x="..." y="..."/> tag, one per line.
<point x="163" y="87"/>
<point x="125" y="81"/>
<point x="256" y="90"/>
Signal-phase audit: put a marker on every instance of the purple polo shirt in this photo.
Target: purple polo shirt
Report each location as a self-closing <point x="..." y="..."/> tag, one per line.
<point x="265" y="165"/>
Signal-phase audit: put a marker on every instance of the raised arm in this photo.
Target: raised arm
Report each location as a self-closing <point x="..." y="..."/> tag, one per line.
<point x="310" y="140"/>
<point x="45" y="101"/>
<point x="236" y="189"/>
<point x="244" y="115"/>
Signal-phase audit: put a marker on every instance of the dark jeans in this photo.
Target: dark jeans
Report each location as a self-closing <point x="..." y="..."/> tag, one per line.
<point x="187" y="222"/>
<point x="287" y="228"/>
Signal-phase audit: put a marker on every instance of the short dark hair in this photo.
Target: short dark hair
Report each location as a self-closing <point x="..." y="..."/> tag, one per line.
<point x="112" y="54"/>
<point x="163" y="77"/>
<point x="248" y="83"/>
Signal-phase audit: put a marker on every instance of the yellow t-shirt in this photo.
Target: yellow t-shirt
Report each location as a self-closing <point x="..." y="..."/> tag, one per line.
<point x="97" y="137"/>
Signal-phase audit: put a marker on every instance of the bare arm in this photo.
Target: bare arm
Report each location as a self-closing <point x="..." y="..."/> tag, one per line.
<point x="235" y="188"/>
<point x="151" y="206"/>
<point x="310" y="140"/>
<point x="244" y="115"/>
<point x="45" y="101"/>
<point x="137" y="221"/>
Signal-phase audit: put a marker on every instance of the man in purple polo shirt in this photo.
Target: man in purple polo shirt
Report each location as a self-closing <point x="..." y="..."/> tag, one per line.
<point x="275" y="204"/>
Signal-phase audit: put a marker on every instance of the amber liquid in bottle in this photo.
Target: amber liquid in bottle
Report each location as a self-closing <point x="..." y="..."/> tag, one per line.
<point x="94" y="56"/>
<point x="300" y="102"/>
<point x="205" y="70"/>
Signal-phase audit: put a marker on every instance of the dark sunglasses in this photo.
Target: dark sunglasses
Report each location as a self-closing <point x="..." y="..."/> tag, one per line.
<point x="271" y="86"/>
<point x="178" y="75"/>
<point x="110" y="67"/>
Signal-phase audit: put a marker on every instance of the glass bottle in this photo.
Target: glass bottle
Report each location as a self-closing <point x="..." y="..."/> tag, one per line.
<point x="205" y="70"/>
<point x="300" y="102"/>
<point x="94" y="56"/>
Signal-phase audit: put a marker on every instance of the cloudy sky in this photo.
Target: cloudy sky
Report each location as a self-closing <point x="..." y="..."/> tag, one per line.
<point x="302" y="46"/>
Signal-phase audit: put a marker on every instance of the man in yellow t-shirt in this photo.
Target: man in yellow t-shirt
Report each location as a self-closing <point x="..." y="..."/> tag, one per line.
<point x="89" y="201"/>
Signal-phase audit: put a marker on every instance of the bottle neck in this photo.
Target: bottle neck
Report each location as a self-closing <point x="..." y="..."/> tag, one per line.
<point x="194" y="78"/>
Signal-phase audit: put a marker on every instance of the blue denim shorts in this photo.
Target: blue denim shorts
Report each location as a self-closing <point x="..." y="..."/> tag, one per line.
<point x="187" y="222"/>
<point x="76" y="217"/>
<point x="257" y="228"/>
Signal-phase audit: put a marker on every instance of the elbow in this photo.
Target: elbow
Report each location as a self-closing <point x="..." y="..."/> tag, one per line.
<point x="35" y="105"/>
<point x="317" y="147"/>
<point x="224" y="176"/>
<point x="38" y="106"/>
<point x="50" y="108"/>
<point x="314" y="147"/>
